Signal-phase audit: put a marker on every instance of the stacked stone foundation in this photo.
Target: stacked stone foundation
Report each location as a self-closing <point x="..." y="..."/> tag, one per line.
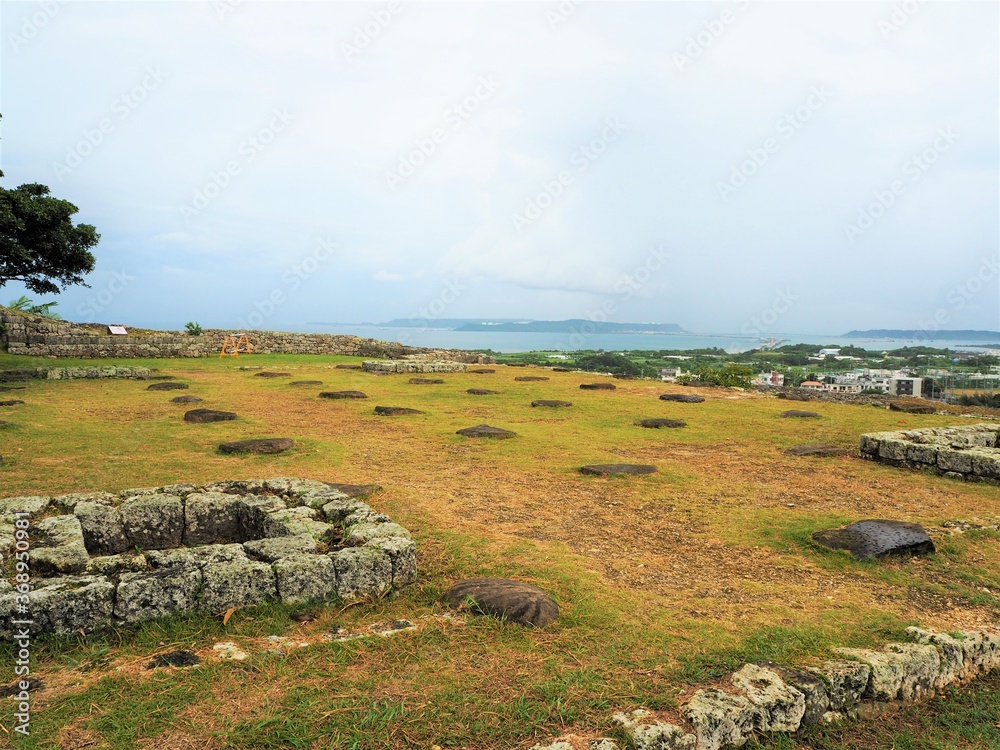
<point x="99" y="560"/>
<point x="969" y="452"/>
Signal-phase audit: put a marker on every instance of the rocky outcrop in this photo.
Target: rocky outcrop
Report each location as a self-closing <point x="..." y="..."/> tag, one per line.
<point x="210" y="548"/>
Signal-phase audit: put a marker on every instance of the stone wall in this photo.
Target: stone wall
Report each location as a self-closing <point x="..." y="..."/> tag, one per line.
<point x="72" y="373"/>
<point x="968" y="452"/>
<point x="98" y="560"/>
<point x="33" y="335"/>
<point x="871" y="399"/>
<point x="411" y="366"/>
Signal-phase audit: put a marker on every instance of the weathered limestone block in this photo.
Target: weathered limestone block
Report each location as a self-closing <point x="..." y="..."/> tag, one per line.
<point x="115" y="565"/>
<point x="254" y="513"/>
<point x="982" y="650"/>
<point x="153" y="521"/>
<point x="812" y="688"/>
<point x="318" y="498"/>
<point x="846" y="682"/>
<point x="157" y="593"/>
<point x="888" y="670"/>
<point x="648" y="734"/>
<point x="892" y="448"/>
<point x="271" y="550"/>
<point x="195" y="557"/>
<point x="63" y="606"/>
<point x="364" y="515"/>
<point x="34" y="506"/>
<point x="952" y="656"/>
<point x="103" y="528"/>
<point x="781" y="706"/>
<point x="870" y="445"/>
<point x="362" y="572"/>
<point x="957" y="461"/>
<point x="360" y="534"/>
<point x="921" y="667"/>
<point x="213" y="518"/>
<point x="986" y="463"/>
<point x="236" y="583"/>
<point x="297" y="521"/>
<point x="922" y="454"/>
<point x="721" y="719"/>
<point x="57" y="546"/>
<point x="68" y="503"/>
<point x="402" y="553"/>
<point x="337" y="510"/>
<point x="305" y="577"/>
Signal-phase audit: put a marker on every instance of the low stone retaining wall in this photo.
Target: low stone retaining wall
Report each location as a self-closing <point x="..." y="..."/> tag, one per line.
<point x="869" y="399"/>
<point x="769" y="697"/>
<point x="412" y="365"/>
<point x="968" y="452"/>
<point x="25" y="334"/>
<point x="72" y="373"/>
<point x="98" y="560"/>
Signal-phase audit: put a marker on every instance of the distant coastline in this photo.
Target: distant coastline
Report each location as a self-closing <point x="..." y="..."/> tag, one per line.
<point x="992" y="337"/>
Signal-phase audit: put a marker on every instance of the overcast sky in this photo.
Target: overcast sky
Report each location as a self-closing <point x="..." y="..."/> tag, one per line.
<point x="813" y="166"/>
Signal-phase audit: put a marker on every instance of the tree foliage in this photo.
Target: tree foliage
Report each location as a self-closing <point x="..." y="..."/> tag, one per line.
<point x="609" y="362"/>
<point x="39" y="245"/>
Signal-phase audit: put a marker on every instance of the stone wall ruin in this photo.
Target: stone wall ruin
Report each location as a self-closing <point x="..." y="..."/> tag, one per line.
<point x="969" y="452"/>
<point x="98" y="559"/>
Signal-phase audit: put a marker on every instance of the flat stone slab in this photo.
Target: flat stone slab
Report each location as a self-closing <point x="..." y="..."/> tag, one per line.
<point x="683" y="398"/>
<point x="426" y="381"/>
<point x="485" y="431"/>
<point x="795" y="396"/>
<point x="563" y="369"/>
<point x="167" y="386"/>
<point x="877" y="538"/>
<point x="174" y="659"/>
<point x="305" y="383"/>
<point x="8" y="388"/>
<point x="549" y="402"/>
<point x="343" y="394"/>
<point x="505" y="599"/>
<point x="610" y="470"/>
<point x="12" y="402"/>
<point x="482" y="392"/>
<point x="817" y="449"/>
<point x="658" y="423"/>
<point x="482" y="370"/>
<point x="395" y="411"/>
<point x="347" y="367"/>
<point x="258" y="446"/>
<point x="799" y="414"/>
<point x="204" y="416"/>
<point x="530" y="378"/>
<point x="186" y="400"/>
<point x="598" y="386"/>
<point x="266" y="374"/>
<point x="913" y="408"/>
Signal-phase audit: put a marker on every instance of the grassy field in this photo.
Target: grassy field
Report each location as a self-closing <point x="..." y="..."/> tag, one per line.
<point x="666" y="582"/>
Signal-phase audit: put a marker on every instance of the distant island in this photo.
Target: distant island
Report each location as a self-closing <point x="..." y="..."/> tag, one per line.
<point x="899" y="333"/>
<point x="567" y="326"/>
